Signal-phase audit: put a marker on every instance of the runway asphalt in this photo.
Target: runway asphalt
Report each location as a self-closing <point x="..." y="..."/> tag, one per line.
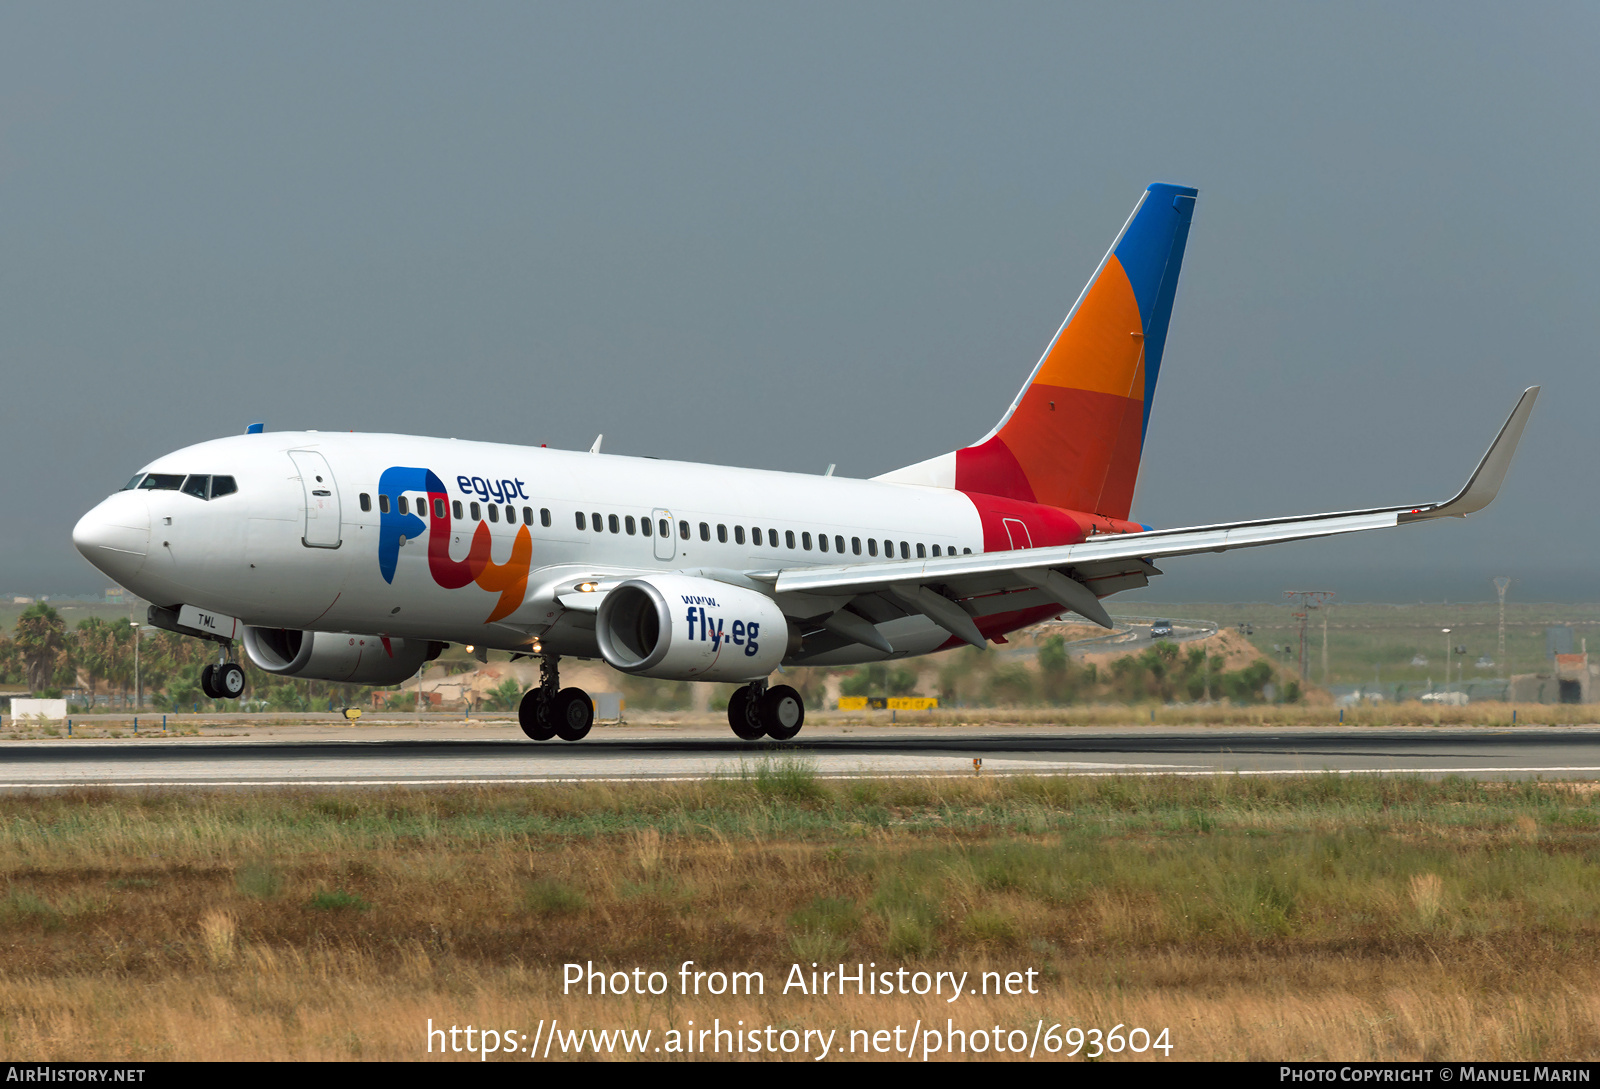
<point x="431" y="755"/>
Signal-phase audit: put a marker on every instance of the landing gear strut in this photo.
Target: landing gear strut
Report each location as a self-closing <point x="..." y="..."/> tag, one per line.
<point x="756" y="710"/>
<point x="552" y="711"/>
<point x="744" y="715"/>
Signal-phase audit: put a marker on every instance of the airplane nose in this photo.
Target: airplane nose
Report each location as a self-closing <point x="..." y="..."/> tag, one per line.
<point x="115" y="536"/>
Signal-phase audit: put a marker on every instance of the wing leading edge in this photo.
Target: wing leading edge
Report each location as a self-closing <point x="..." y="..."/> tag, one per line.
<point x="1076" y="576"/>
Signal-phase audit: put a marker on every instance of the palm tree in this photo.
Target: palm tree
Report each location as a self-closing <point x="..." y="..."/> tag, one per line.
<point x="118" y="667"/>
<point x="41" y="637"/>
<point x="91" y="640"/>
<point x="10" y="657"/>
<point x="506" y="696"/>
<point x="166" y="654"/>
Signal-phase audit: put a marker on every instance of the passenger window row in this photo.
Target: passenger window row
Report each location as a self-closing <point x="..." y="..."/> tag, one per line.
<point x="822" y="542"/>
<point x="641" y="526"/>
<point x="404" y="504"/>
<point x="199" y="485"/>
<point x="646" y="527"/>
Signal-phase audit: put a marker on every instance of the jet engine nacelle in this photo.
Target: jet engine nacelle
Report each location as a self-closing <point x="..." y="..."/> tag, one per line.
<point x="334" y="656"/>
<point x="682" y="628"/>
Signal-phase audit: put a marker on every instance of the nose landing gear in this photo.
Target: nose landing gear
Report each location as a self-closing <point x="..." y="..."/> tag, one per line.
<point x="229" y="680"/>
<point x="756" y="711"/>
<point x="224" y="680"/>
<point x="552" y="711"/>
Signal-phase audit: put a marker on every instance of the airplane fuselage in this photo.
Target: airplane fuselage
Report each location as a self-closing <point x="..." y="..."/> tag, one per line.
<point x="477" y="543"/>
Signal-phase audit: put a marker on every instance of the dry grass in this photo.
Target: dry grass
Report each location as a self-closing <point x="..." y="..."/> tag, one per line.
<point x="281" y="1004"/>
<point x="1312" y="918"/>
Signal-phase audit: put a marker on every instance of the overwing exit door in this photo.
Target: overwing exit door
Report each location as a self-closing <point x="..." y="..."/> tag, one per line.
<point x="322" y="499"/>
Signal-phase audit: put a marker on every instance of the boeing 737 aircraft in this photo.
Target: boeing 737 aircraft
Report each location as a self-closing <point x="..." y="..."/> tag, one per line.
<point x="357" y="558"/>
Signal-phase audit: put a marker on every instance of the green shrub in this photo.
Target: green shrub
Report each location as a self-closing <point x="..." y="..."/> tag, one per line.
<point x="23" y="905"/>
<point x="909" y="938"/>
<point x="258" y="881"/>
<point x="547" y="896"/>
<point x="338" y="900"/>
<point x="505" y="696"/>
<point x="788" y="778"/>
<point x="993" y="928"/>
<point x="828" y="915"/>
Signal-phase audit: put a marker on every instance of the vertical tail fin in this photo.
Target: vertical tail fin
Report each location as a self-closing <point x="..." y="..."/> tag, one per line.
<point x="1073" y="436"/>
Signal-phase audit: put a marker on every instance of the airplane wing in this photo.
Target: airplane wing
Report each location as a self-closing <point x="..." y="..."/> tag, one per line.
<point x="955" y="591"/>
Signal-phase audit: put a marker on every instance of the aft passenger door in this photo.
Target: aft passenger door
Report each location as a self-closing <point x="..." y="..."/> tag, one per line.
<point x="1017" y="530"/>
<point x="322" y="499"/>
<point x="666" y="538"/>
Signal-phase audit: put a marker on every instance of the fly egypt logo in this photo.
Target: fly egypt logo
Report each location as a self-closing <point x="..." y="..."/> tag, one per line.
<point x="708" y="629"/>
<point x="397" y="529"/>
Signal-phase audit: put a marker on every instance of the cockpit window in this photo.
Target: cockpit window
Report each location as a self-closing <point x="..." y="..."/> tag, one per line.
<point x="199" y="485"/>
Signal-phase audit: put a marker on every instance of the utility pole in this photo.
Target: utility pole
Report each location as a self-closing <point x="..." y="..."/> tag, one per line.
<point x="1310" y="599"/>
<point x="1325" y="610"/>
<point x="1500" y="585"/>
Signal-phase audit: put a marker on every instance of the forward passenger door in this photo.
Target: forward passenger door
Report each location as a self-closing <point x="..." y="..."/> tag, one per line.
<point x="322" y="499"/>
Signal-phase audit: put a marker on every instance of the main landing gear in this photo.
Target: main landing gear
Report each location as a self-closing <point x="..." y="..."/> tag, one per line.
<point x="552" y="711"/>
<point x="223" y="681"/>
<point x="756" y="711"/>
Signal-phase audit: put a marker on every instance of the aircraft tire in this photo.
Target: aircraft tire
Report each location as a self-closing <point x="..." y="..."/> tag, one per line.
<point x="743" y="716"/>
<point x="572" y="713"/>
<point x="228" y="680"/>
<point x="783" y="712"/>
<point x="206" y="684"/>
<point x="534" y="716"/>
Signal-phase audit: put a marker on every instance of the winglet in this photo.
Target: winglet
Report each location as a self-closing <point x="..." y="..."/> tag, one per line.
<point x="1486" y="479"/>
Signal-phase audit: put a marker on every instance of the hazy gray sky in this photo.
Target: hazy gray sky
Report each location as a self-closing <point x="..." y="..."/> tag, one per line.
<point x="782" y="236"/>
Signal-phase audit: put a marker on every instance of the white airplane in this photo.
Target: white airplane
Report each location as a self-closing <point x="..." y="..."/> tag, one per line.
<point x="357" y="558"/>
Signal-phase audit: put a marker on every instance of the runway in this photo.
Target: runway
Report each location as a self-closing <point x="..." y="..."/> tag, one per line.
<point x="499" y="754"/>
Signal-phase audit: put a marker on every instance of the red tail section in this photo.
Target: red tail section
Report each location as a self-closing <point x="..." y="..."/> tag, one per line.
<point x="1073" y="436"/>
